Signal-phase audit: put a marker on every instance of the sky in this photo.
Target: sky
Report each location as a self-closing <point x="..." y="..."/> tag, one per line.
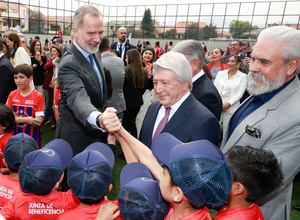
<point x="155" y="2"/>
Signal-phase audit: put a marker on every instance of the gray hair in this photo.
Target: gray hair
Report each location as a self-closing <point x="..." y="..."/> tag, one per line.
<point x="82" y="11"/>
<point x="191" y="49"/>
<point x="290" y="37"/>
<point x="177" y="63"/>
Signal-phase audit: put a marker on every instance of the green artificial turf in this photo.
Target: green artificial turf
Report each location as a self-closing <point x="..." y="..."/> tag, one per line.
<point x="48" y="135"/>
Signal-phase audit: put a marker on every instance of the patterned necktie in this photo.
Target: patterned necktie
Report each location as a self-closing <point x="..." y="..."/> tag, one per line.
<point x="91" y="60"/>
<point x="162" y="123"/>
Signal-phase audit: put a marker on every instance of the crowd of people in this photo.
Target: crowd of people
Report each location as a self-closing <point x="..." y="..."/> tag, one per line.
<point x="218" y="131"/>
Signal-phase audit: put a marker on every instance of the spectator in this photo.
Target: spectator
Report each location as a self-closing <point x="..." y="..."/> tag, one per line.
<point x="216" y="64"/>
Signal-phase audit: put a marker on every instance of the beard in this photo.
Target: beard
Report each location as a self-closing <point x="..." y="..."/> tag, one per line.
<point x="86" y="47"/>
<point x="267" y="85"/>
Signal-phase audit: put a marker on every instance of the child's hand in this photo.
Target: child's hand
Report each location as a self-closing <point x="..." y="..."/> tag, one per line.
<point x="111" y="139"/>
<point x="108" y="211"/>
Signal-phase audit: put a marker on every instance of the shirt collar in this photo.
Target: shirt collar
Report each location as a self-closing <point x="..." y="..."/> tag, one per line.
<point x="1" y="54"/>
<point x="267" y="96"/>
<point x="198" y="75"/>
<point x="178" y="104"/>
<point x="84" y="53"/>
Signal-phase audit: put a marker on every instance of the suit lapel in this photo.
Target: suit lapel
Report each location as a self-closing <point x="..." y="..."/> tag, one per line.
<point x="259" y="114"/>
<point x="98" y="60"/>
<point x="182" y="113"/>
<point x="87" y="68"/>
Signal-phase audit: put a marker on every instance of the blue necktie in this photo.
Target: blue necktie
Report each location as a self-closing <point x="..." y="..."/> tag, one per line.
<point x="121" y="49"/>
<point x="91" y="60"/>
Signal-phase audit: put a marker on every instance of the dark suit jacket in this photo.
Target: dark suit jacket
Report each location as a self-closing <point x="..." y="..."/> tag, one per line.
<point x="192" y="121"/>
<point x="80" y="95"/>
<point x="7" y="83"/>
<point x="128" y="46"/>
<point x="205" y="92"/>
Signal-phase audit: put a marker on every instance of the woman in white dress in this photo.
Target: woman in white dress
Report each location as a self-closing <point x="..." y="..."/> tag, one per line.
<point x="231" y="84"/>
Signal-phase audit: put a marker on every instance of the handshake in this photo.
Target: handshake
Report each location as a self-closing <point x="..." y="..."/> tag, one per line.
<point x="109" y="120"/>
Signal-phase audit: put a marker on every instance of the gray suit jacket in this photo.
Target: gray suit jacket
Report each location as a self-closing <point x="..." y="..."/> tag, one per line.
<point x="279" y="124"/>
<point x="117" y="71"/>
<point x="80" y="95"/>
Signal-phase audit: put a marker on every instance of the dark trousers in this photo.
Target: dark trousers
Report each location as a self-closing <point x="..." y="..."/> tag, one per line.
<point x="129" y="119"/>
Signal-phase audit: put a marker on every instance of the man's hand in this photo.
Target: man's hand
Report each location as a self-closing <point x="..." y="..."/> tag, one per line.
<point x="108" y="211"/>
<point x="109" y="120"/>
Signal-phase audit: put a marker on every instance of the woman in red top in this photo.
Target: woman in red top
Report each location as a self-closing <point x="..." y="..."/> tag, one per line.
<point x="52" y="63"/>
<point x="216" y="65"/>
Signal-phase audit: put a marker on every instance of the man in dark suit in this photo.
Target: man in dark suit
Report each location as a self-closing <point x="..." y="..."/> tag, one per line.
<point x="188" y="120"/>
<point x="82" y="84"/>
<point x="122" y="45"/>
<point x="7" y="83"/>
<point x="203" y="88"/>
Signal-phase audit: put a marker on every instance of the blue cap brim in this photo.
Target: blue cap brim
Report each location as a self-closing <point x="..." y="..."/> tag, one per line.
<point x="162" y="145"/>
<point x="105" y="150"/>
<point x="132" y="171"/>
<point x="63" y="149"/>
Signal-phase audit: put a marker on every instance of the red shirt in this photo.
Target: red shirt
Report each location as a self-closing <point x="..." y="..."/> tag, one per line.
<point x="31" y="105"/>
<point x="86" y="212"/>
<point x="201" y="214"/>
<point x="57" y="98"/>
<point x="33" y="207"/>
<point x="9" y="187"/>
<point x="3" y="141"/>
<point x="241" y="213"/>
<point x="157" y="52"/>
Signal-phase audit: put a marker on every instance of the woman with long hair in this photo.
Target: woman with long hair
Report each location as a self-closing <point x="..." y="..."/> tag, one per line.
<point x="6" y="49"/>
<point x="51" y="66"/>
<point x="231" y="84"/>
<point x="148" y="57"/>
<point x="135" y="84"/>
<point x="216" y="64"/>
<point x="38" y="61"/>
<point x="19" y="54"/>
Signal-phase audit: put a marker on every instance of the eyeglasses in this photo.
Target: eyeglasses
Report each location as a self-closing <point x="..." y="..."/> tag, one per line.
<point x="244" y="48"/>
<point x="233" y="45"/>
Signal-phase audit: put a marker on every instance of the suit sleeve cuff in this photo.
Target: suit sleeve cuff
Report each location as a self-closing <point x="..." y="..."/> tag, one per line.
<point x="92" y="120"/>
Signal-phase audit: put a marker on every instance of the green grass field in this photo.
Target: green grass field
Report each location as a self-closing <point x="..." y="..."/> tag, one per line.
<point x="48" y="135"/>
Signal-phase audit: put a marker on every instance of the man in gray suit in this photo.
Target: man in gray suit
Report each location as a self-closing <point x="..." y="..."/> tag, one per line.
<point x="270" y="119"/>
<point x="82" y="84"/>
<point x="117" y="71"/>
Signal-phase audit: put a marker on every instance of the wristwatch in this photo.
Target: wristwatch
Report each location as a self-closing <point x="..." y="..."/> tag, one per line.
<point x="97" y="121"/>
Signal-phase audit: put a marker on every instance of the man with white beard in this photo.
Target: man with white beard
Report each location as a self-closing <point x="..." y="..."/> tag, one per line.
<point x="270" y="118"/>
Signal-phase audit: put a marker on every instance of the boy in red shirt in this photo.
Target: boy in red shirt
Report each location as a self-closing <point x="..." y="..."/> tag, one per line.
<point x="90" y="177"/>
<point x="40" y="175"/>
<point x="7" y="124"/>
<point x="16" y="149"/>
<point x="256" y="173"/>
<point x="195" y="174"/>
<point x="140" y="196"/>
<point x="27" y="104"/>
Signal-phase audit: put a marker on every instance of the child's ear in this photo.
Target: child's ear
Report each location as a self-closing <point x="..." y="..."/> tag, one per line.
<point x="60" y="180"/>
<point x="31" y="78"/>
<point x="237" y="188"/>
<point x="177" y="194"/>
<point x="110" y="187"/>
<point x="4" y="162"/>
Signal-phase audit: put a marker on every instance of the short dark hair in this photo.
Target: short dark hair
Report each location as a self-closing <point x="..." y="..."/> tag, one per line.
<point x="104" y="46"/>
<point x="240" y="42"/>
<point x="116" y="52"/>
<point x="23" y="68"/>
<point x="246" y="44"/>
<point x="7" y="118"/>
<point x="257" y="169"/>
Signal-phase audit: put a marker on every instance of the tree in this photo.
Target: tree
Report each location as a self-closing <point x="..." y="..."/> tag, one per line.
<point x="238" y="28"/>
<point x="193" y="32"/>
<point x="136" y="33"/>
<point x="147" y="24"/>
<point x="209" y="32"/>
<point x="170" y="33"/>
<point x="36" y="24"/>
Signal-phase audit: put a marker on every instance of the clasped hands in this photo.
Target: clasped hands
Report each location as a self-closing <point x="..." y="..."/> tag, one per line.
<point x="110" y="121"/>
